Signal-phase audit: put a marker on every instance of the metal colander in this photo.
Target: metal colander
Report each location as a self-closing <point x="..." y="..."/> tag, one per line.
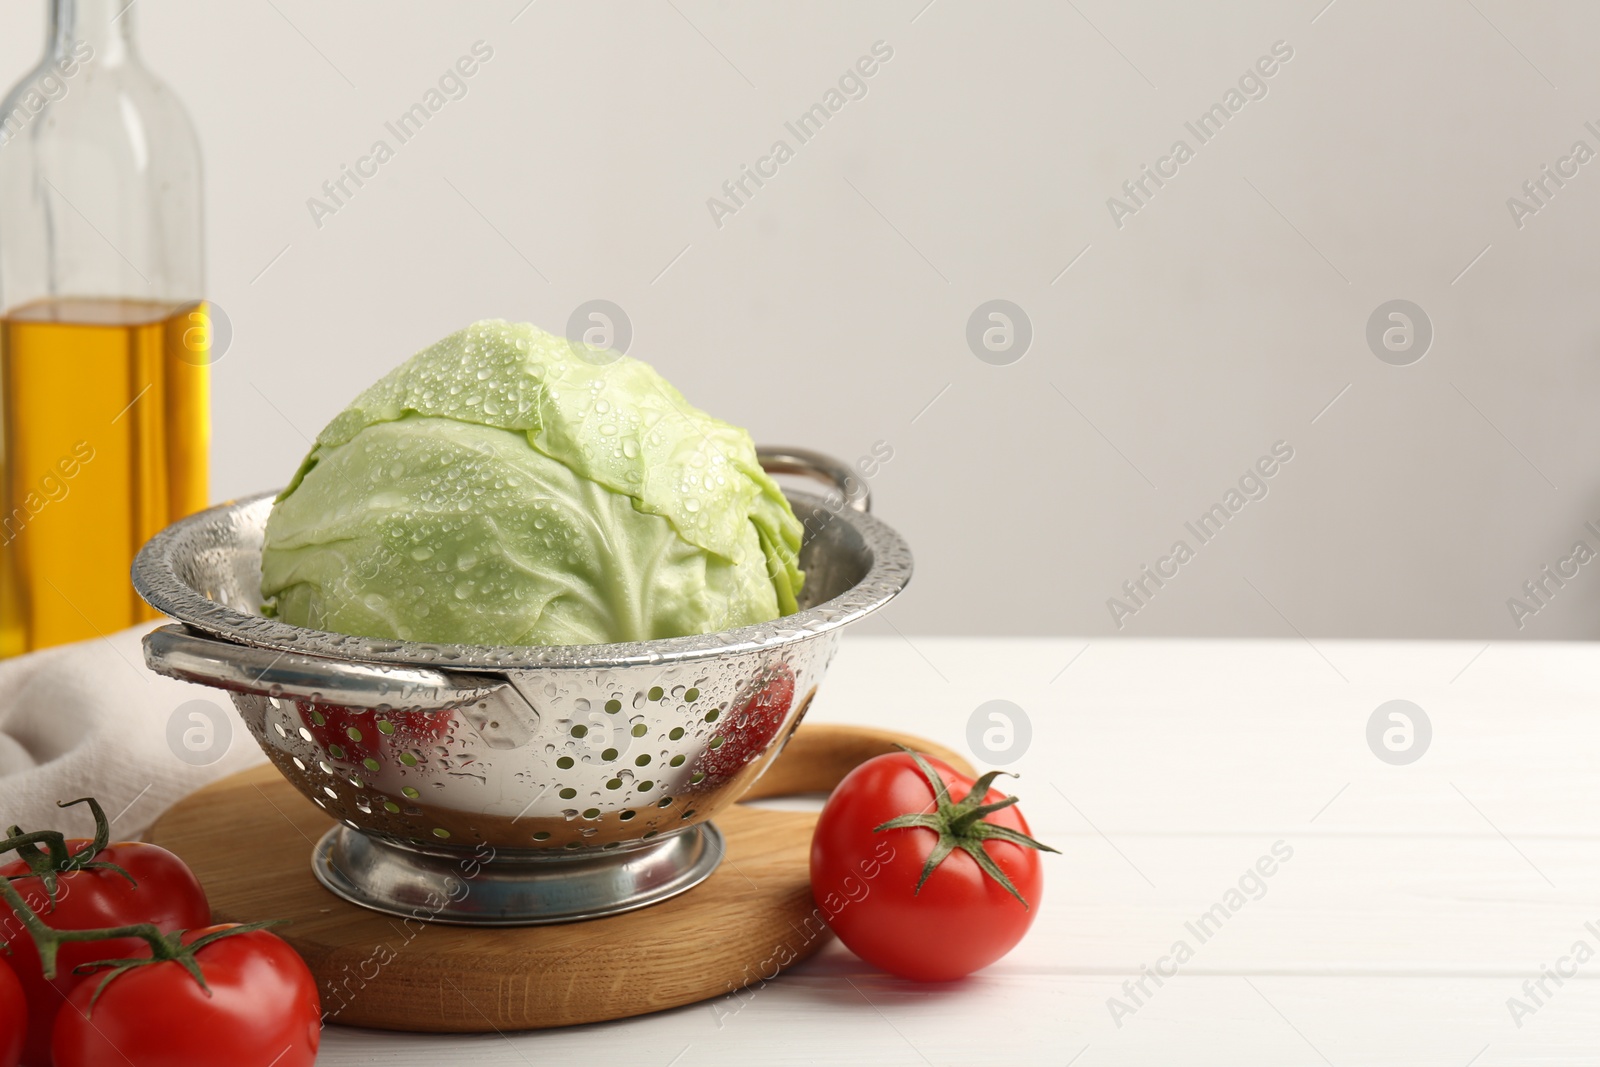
<point x="512" y="785"/>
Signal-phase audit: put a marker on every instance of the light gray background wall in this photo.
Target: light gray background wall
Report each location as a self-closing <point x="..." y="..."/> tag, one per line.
<point x="831" y="310"/>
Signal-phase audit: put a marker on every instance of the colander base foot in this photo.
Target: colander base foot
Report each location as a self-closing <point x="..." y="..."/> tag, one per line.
<point x="485" y="889"/>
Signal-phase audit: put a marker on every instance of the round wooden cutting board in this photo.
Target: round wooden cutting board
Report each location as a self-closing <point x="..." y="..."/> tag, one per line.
<point x="249" y="839"/>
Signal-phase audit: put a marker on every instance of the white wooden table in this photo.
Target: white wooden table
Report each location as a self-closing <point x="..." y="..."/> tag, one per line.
<point x="1417" y="901"/>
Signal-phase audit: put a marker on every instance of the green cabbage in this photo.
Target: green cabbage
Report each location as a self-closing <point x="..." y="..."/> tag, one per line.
<point x="506" y="487"/>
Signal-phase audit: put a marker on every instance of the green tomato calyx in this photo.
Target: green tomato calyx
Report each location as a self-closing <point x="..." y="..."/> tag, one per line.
<point x="961" y="825"/>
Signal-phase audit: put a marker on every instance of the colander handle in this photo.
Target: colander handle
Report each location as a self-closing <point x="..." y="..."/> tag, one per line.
<point x="178" y="652"/>
<point x="823" y="468"/>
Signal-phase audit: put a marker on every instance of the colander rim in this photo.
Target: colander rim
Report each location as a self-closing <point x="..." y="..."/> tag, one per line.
<point x="156" y="579"/>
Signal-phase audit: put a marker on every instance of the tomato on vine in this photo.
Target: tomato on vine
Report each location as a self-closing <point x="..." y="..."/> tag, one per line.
<point x="85" y="885"/>
<point x="216" y="996"/>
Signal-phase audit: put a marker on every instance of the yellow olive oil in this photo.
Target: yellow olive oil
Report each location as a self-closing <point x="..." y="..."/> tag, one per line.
<point x="107" y="431"/>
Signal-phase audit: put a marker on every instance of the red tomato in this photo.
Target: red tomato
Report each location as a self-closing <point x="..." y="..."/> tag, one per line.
<point x="356" y="736"/>
<point x="262" y="1010"/>
<point x="167" y="895"/>
<point x="13" y="1016"/>
<point x="749" y="729"/>
<point x="866" y="879"/>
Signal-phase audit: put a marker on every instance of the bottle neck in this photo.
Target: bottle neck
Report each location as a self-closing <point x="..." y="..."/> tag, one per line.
<point x="104" y="25"/>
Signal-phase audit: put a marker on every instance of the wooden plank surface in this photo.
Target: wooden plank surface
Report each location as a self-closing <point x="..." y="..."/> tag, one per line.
<point x="1417" y="902"/>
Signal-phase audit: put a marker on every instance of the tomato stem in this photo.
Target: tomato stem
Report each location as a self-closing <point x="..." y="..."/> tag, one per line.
<point x="52" y="861"/>
<point x="172" y="950"/>
<point x="961" y="825"/>
<point x="49" y="940"/>
<point x="55" y="851"/>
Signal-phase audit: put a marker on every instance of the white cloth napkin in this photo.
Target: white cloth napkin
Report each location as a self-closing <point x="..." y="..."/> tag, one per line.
<point x="90" y="719"/>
